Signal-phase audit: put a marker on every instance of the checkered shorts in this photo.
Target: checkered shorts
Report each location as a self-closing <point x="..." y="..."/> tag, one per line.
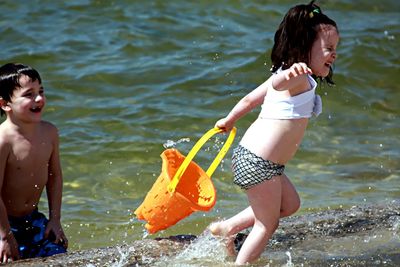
<point x="250" y="169"/>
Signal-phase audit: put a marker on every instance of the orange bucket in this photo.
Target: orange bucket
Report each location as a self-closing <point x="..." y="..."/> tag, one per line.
<point x="182" y="187"/>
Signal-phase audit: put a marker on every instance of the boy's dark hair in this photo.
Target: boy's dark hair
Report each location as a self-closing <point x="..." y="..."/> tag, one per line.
<point x="296" y="34"/>
<point x="10" y="74"/>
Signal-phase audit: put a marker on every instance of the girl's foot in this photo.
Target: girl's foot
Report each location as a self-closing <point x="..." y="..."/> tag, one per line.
<point x="217" y="229"/>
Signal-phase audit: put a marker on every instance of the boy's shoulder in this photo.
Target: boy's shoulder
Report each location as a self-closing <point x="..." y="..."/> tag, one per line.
<point x="48" y="129"/>
<point x="5" y="129"/>
<point x="7" y="132"/>
<point x="48" y="125"/>
<point x="6" y="135"/>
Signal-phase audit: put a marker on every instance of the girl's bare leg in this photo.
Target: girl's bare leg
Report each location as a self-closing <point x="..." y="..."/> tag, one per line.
<point x="290" y="203"/>
<point x="232" y="226"/>
<point x="235" y="224"/>
<point x="265" y="200"/>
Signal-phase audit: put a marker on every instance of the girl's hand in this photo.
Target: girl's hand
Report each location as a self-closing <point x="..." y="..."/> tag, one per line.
<point x="297" y="69"/>
<point x="224" y="125"/>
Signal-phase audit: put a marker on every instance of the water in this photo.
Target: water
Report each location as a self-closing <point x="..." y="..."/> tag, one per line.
<point x="206" y="250"/>
<point x="125" y="78"/>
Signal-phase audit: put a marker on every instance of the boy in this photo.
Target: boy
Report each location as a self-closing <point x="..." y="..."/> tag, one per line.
<point x="29" y="161"/>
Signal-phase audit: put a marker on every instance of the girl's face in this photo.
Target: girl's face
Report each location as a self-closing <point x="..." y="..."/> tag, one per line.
<point x="28" y="101"/>
<point x="323" y="51"/>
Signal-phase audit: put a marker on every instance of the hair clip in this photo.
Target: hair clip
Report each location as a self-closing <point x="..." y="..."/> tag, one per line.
<point x="315" y="10"/>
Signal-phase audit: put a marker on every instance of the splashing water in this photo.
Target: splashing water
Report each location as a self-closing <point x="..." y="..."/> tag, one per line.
<point x="289" y="262"/>
<point x="206" y="250"/>
<point x="123" y="260"/>
<point x="171" y="144"/>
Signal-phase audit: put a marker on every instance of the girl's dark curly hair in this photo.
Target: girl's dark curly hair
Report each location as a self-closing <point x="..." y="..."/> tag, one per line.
<point x="296" y="34"/>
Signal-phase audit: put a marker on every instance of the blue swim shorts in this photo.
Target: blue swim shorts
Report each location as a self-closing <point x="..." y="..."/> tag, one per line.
<point x="29" y="233"/>
<point x="250" y="169"/>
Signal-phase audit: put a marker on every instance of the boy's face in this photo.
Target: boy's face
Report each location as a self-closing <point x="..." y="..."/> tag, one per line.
<point x="28" y="101"/>
<point x="323" y="51"/>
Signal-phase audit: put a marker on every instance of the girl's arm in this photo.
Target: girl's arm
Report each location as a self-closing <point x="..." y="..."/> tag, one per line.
<point x="246" y="104"/>
<point x="293" y="78"/>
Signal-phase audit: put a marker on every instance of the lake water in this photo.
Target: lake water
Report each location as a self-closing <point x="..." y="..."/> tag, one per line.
<point x="123" y="78"/>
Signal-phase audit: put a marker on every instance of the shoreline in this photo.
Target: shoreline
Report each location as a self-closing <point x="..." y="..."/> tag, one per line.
<point x="293" y="233"/>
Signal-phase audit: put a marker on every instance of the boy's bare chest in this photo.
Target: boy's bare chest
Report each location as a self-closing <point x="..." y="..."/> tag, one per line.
<point x="26" y="153"/>
<point x="28" y="164"/>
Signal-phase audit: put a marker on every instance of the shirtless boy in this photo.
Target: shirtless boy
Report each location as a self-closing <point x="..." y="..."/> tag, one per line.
<point x="29" y="162"/>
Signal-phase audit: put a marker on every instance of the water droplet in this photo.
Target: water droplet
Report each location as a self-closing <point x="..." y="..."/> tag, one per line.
<point x="169" y="144"/>
<point x="289" y="262"/>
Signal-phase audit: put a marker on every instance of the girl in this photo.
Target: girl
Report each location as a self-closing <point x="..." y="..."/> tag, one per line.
<point x="305" y="47"/>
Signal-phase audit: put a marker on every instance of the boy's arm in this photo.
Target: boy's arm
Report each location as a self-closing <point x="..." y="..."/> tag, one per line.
<point x="8" y="244"/>
<point x="54" y="192"/>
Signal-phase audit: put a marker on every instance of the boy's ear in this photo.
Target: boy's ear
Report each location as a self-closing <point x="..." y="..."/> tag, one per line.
<point x="4" y="105"/>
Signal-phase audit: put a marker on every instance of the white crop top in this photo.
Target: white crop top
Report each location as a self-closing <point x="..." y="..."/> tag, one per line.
<point x="303" y="105"/>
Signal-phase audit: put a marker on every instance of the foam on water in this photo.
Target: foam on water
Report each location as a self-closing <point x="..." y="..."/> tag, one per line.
<point x="122" y="260"/>
<point x="206" y="250"/>
<point x="209" y="250"/>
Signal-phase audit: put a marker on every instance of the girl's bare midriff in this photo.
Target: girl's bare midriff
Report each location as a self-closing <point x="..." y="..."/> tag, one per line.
<point x="276" y="140"/>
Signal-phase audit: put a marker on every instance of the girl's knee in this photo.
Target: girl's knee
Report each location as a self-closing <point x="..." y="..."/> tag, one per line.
<point x="274" y="226"/>
<point x="295" y="205"/>
<point x="291" y="207"/>
<point x="266" y="229"/>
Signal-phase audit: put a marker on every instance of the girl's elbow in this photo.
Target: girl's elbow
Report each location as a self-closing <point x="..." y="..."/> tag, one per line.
<point x="249" y="102"/>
